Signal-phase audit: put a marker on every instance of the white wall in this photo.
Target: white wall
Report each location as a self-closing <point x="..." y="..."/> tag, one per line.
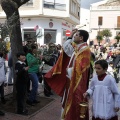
<point x="85" y="12"/>
<point x="109" y="21"/>
<point x="44" y="24"/>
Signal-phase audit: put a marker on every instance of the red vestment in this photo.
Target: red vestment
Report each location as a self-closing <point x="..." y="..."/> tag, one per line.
<point x="78" y="86"/>
<point x="56" y="77"/>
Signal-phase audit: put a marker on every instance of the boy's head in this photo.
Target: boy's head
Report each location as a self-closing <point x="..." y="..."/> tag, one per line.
<point x="111" y="63"/>
<point x="21" y="56"/>
<point x="101" y="67"/>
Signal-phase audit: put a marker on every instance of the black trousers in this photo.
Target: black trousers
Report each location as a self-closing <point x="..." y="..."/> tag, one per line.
<point x="28" y="85"/>
<point x="21" y="96"/>
<point x="47" y="89"/>
<point x="2" y="91"/>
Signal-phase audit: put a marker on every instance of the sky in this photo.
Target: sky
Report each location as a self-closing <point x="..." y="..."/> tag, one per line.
<point x="85" y="12"/>
<point x="86" y="3"/>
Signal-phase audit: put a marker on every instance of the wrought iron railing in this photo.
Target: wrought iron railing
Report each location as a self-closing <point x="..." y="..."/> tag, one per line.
<point x="53" y="5"/>
<point x="29" y="3"/>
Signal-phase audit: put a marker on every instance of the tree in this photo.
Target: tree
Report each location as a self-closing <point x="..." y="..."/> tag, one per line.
<point x="10" y="8"/>
<point x="3" y="30"/>
<point x="117" y="38"/>
<point x="106" y="33"/>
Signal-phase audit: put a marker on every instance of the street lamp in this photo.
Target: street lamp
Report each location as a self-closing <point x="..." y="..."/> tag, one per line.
<point x="99" y="36"/>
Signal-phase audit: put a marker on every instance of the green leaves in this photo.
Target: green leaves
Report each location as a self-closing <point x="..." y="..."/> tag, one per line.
<point x="3" y="47"/>
<point x="106" y="33"/>
<point x="117" y="38"/>
<point x="99" y="37"/>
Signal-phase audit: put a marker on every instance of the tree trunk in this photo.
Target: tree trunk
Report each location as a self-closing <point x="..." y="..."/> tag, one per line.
<point x="11" y="7"/>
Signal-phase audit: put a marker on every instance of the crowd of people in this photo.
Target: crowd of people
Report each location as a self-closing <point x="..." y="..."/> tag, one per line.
<point x="28" y="72"/>
<point x="67" y="70"/>
<point x="112" y="55"/>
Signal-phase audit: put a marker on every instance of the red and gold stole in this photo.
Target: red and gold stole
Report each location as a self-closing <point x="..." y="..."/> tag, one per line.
<point x="78" y="84"/>
<point x="58" y="66"/>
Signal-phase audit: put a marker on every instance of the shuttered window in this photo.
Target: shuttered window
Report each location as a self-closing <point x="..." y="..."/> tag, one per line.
<point x="118" y="21"/>
<point x="100" y="20"/>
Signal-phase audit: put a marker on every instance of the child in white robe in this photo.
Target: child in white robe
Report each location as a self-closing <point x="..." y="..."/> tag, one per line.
<point x="110" y="69"/>
<point x="104" y="92"/>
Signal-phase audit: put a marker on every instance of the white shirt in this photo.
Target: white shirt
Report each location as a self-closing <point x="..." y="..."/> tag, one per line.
<point x="110" y="71"/>
<point x="105" y="96"/>
<point x="67" y="47"/>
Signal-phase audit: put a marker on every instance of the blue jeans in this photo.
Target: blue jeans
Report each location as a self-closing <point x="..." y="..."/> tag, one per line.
<point x="34" y="78"/>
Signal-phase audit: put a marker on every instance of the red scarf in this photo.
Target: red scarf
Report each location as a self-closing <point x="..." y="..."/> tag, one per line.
<point x="101" y="77"/>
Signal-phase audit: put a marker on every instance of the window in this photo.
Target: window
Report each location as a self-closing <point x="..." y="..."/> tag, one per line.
<point x="49" y="36"/>
<point x="78" y="11"/>
<point x="74" y="8"/>
<point x="118" y="21"/>
<point x="55" y="4"/>
<point x="100" y="20"/>
<point x="29" y="33"/>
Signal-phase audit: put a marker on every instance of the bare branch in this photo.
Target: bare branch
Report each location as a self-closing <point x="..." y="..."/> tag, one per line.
<point x="20" y="2"/>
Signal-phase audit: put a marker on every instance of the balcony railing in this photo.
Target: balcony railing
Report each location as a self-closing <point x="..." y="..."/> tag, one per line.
<point x="117" y="26"/>
<point x="53" y="5"/>
<point x="29" y="3"/>
<point x="105" y="8"/>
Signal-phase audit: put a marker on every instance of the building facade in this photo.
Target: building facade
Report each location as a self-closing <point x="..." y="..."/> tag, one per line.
<point x="47" y="20"/>
<point x="104" y="15"/>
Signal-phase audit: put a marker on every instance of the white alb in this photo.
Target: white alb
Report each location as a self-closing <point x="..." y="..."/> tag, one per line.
<point x="105" y="96"/>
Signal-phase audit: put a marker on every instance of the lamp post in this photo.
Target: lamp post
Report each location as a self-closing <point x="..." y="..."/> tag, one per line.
<point x="99" y="36"/>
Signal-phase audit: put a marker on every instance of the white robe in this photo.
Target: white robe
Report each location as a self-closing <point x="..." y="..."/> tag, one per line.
<point x="105" y="96"/>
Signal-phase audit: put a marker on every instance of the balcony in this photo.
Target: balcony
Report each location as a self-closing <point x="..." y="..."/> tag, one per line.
<point x="117" y="26"/>
<point x="53" y="5"/>
<point x="105" y="8"/>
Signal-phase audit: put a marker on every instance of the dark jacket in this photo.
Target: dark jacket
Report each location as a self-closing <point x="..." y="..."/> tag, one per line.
<point x="22" y="74"/>
<point x="116" y="61"/>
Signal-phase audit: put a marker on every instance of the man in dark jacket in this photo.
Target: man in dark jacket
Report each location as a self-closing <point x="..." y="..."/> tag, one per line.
<point x="50" y="58"/>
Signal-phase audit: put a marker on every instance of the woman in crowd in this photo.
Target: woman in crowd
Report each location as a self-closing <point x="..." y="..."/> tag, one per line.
<point x="33" y="63"/>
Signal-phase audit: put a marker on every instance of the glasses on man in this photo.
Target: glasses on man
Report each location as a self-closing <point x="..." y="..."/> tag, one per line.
<point x="29" y="41"/>
<point x="51" y="46"/>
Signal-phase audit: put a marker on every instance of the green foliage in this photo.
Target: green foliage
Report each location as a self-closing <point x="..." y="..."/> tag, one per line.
<point x="117" y="38"/>
<point x="3" y="30"/>
<point x="3" y="47"/>
<point x="106" y="33"/>
<point x="4" y="33"/>
<point x="99" y="37"/>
